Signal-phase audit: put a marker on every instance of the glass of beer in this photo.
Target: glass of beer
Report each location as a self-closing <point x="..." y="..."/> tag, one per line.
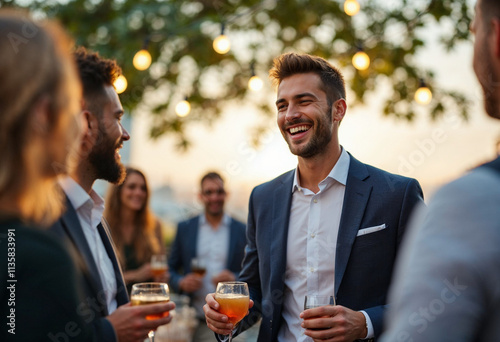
<point x="150" y="293"/>
<point x="158" y="265"/>
<point x="198" y="267"/>
<point x="234" y="300"/>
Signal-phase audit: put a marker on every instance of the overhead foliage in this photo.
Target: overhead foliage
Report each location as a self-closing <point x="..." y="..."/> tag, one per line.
<point x="181" y="32"/>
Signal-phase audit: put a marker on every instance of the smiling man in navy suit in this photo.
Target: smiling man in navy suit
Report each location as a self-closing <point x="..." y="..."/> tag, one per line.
<point x="332" y="226"/>
<point x="213" y="237"/>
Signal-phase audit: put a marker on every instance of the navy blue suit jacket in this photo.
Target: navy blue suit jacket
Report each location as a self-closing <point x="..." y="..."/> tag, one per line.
<point x="184" y="249"/>
<point x="94" y="308"/>
<point x="363" y="265"/>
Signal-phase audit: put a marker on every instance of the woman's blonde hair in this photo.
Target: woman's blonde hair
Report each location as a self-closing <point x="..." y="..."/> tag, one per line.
<point x="144" y="240"/>
<point x="36" y="67"/>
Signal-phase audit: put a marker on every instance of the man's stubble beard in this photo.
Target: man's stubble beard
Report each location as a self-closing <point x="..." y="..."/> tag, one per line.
<point x="319" y="141"/>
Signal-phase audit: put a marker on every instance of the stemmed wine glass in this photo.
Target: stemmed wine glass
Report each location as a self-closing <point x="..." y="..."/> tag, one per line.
<point x="234" y="300"/>
<point x="150" y="293"/>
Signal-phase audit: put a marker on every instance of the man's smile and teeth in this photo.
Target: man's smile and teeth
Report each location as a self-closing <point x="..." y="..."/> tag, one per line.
<point x="298" y="131"/>
<point x="117" y="151"/>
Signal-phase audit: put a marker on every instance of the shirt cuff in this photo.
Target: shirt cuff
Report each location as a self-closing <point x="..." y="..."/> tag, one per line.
<point x="369" y="326"/>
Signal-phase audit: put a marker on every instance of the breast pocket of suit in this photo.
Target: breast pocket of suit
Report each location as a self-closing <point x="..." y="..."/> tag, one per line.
<point x="371" y="235"/>
<point x="371" y="230"/>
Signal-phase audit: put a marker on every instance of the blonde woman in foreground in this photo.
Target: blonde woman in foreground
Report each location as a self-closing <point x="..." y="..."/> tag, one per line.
<point x="39" y="103"/>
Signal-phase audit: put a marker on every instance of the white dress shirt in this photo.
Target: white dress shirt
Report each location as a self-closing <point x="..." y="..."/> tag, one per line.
<point x="89" y="209"/>
<point x="311" y="246"/>
<point x="212" y="247"/>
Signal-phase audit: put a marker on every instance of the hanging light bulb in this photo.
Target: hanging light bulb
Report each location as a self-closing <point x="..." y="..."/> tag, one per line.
<point x="221" y="44"/>
<point x="254" y="83"/>
<point x="351" y="7"/>
<point x="360" y="60"/>
<point x="183" y="108"/>
<point x="423" y="95"/>
<point x="120" y="84"/>
<point x="142" y="59"/>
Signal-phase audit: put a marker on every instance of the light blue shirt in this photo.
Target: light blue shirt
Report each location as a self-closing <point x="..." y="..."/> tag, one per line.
<point x="212" y="247"/>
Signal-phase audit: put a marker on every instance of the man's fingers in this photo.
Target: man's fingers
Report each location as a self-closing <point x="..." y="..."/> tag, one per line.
<point x="217" y="322"/>
<point x="320" y="312"/>
<point x="212" y="303"/>
<point x="155" y="314"/>
<point x="152" y="324"/>
<point x="212" y="315"/>
<point x="318" y="323"/>
<point x="219" y="327"/>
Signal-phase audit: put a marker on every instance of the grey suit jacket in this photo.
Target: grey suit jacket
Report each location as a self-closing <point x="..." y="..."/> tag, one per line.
<point x="447" y="283"/>
<point x="94" y="308"/>
<point x="363" y="264"/>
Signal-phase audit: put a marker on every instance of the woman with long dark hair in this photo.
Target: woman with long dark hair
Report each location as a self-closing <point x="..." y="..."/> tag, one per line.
<point x="135" y="230"/>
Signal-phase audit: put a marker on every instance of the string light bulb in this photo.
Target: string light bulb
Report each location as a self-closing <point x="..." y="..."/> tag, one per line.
<point x="221" y="44"/>
<point x="120" y="84"/>
<point x="351" y="7"/>
<point x="423" y="95"/>
<point x="360" y="60"/>
<point x="142" y="59"/>
<point x="254" y="83"/>
<point x="183" y="108"/>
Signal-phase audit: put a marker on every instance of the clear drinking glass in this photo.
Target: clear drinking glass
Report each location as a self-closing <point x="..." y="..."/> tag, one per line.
<point x="150" y="293"/>
<point x="198" y="266"/>
<point x="158" y="265"/>
<point x="311" y="302"/>
<point x="234" y="299"/>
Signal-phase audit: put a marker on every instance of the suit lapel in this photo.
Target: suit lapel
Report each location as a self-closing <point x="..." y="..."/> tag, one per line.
<point x="232" y="245"/>
<point x="74" y="230"/>
<point x="282" y="199"/>
<point x="356" y="197"/>
<point x="121" y="289"/>
<point x="193" y="241"/>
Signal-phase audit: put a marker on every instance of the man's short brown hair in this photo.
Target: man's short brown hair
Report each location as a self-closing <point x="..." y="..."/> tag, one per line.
<point x="290" y="64"/>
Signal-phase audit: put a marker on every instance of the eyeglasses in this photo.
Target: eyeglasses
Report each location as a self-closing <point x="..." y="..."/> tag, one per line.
<point x="211" y="192"/>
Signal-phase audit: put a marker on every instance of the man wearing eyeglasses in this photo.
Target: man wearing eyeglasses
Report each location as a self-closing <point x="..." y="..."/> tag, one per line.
<point x="216" y="240"/>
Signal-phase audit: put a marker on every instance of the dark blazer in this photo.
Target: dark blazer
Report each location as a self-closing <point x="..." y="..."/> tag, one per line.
<point x="363" y="265"/>
<point x="39" y="296"/>
<point x="184" y="249"/>
<point x="94" y="309"/>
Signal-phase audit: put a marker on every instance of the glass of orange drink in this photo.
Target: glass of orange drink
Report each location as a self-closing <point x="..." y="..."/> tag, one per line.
<point x="234" y="299"/>
<point x="150" y="293"/>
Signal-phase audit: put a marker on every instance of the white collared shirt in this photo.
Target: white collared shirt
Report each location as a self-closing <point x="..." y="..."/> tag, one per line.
<point x="311" y="246"/>
<point x="212" y="247"/>
<point x="89" y="209"/>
